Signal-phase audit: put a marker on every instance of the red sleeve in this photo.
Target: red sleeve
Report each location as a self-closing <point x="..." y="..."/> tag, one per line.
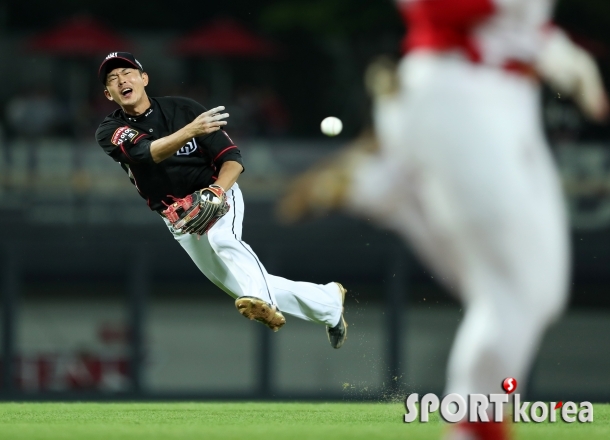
<point x="442" y="24"/>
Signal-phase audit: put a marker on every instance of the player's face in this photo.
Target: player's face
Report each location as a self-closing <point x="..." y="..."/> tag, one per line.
<point x="125" y="86"/>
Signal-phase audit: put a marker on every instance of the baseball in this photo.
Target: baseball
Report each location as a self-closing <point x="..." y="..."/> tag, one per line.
<point x="331" y="126"/>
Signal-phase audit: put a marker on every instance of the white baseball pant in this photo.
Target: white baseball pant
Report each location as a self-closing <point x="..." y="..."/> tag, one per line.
<point x="466" y="177"/>
<point x="230" y="264"/>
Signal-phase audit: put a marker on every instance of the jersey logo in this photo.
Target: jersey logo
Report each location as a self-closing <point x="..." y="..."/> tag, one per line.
<point x="123" y="134"/>
<point x="189" y="148"/>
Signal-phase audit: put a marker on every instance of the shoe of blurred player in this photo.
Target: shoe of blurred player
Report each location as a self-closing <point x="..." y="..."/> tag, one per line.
<point x="479" y="431"/>
<point x="258" y="310"/>
<point x="338" y="334"/>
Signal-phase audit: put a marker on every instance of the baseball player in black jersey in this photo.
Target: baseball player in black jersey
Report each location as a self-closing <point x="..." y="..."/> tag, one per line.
<point x="185" y="166"/>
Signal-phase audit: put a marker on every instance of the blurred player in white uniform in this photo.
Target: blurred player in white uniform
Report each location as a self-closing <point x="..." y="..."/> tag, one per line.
<point x="465" y="175"/>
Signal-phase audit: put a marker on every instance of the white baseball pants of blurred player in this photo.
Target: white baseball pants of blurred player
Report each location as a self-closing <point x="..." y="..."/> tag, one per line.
<point x="466" y="177"/>
<point x="230" y="264"/>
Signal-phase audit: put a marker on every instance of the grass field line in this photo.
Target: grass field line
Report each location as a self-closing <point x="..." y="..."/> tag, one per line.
<point x="251" y="420"/>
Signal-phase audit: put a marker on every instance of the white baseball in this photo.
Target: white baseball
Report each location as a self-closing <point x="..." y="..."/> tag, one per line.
<point x="331" y="126"/>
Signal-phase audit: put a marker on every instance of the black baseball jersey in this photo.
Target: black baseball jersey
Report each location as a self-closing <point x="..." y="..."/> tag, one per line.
<point x="196" y="165"/>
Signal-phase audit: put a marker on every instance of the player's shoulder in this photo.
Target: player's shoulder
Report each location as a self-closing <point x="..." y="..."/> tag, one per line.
<point x="110" y="122"/>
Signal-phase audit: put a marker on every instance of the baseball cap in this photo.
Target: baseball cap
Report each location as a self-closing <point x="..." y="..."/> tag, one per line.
<point x="117" y="59"/>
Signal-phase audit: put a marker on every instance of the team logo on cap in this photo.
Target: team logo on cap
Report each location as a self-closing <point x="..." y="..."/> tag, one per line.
<point x="116" y="55"/>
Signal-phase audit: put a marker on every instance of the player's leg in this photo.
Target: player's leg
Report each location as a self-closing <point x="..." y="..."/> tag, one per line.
<point x="233" y="266"/>
<point x="320" y="303"/>
<point x="397" y="201"/>
<point x="234" y="282"/>
<point x="516" y="285"/>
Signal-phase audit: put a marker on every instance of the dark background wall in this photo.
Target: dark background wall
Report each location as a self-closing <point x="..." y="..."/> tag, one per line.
<point x="74" y="233"/>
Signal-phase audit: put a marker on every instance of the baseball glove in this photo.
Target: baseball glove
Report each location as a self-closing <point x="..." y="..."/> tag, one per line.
<point x="197" y="212"/>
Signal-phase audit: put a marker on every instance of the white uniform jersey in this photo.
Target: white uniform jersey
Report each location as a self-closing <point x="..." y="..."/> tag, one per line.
<point x="492" y="32"/>
<point x="465" y="176"/>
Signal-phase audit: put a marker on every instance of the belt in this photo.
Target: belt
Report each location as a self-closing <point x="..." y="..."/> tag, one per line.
<point x="521" y="68"/>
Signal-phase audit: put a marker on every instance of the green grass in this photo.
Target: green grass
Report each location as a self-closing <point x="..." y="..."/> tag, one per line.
<point x="251" y="421"/>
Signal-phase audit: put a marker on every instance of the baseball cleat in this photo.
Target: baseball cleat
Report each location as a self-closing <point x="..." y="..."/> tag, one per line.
<point x="479" y="431"/>
<point x="338" y="334"/>
<point x="258" y="310"/>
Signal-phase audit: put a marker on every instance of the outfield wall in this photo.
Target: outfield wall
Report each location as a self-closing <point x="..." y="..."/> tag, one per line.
<point x="203" y="346"/>
<point x="93" y="284"/>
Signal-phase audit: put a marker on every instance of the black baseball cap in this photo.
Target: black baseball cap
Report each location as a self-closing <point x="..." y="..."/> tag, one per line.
<point x="117" y="59"/>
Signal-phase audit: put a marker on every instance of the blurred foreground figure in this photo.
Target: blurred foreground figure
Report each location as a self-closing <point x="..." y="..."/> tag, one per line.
<point x="464" y="174"/>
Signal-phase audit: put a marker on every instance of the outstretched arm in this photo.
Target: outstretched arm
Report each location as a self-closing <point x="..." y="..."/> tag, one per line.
<point x="569" y="69"/>
<point x="206" y="123"/>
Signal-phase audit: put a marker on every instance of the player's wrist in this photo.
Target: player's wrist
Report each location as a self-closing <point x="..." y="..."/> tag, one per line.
<point x="189" y="131"/>
<point x="215" y="185"/>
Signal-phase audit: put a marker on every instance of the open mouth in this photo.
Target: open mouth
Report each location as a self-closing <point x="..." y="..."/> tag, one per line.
<point x="126" y="92"/>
